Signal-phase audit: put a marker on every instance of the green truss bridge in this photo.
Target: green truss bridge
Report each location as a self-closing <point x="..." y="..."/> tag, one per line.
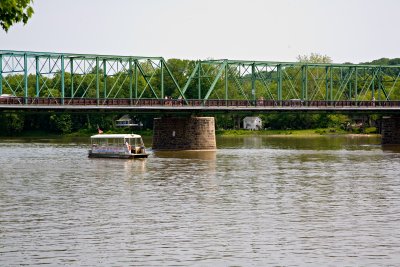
<point x="61" y="81"/>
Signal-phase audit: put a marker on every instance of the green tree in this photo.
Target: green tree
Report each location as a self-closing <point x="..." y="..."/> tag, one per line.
<point x="11" y="123"/>
<point x="181" y="70"/>
<point x="338" y="120"/>
<point x="316" y="75"/>
<point x="61" y="123"/>
<point x="314" y="58"/>
<point x="14" y="11"/>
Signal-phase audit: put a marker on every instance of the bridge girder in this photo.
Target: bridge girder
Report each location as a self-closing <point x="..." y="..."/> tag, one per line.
<point x="73" y="76"/>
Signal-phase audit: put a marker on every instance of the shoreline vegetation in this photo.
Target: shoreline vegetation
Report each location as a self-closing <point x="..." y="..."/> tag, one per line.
<point x="371" y="131"/>
<point x="48" y="125"/>
<point x="64" y="124"/>
<point x="304" y="132"/>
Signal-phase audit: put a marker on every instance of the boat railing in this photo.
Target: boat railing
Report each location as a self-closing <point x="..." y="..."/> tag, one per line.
<point x="103" y="149"/>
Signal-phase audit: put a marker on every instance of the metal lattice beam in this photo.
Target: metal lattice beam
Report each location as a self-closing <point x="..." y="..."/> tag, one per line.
<point x="107" y="77"/>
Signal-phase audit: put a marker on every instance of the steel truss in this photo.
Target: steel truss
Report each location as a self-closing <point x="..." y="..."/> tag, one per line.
<point x="66" y="77"/>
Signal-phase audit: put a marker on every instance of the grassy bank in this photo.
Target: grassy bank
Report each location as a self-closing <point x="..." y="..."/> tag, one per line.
<point x="241" y="132"/>
<point x="32" y="134"/>
<point x="85" y="132"/>
<point x="307" y="132"/>
<point x="80" y="133"/>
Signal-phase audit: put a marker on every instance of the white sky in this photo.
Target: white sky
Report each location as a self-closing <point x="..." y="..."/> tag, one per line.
<point x="279" y="30"/>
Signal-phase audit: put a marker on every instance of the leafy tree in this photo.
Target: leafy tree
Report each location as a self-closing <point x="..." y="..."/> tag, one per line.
<point x="12" y="123"/>
<point x="316" y="77"/>
<point x="181" y="70"/>
<point x="61" y="123"/>
<point x="314" y="58"/>
<point x="14" y="11"/>
<point x="338" y="120"/>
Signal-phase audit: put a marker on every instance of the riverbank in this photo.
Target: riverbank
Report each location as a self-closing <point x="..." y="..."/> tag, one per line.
<point x="230" y="132"/>
<point x="87" y="133"/>
<point x="306" y="132"/>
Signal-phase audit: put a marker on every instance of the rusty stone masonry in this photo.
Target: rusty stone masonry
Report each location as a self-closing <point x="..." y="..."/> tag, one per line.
<point x="391" y="130"/>
<point x="191" y="133"/>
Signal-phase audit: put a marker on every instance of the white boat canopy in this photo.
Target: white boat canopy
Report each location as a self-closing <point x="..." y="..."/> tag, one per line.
<point x="122" y="136"/>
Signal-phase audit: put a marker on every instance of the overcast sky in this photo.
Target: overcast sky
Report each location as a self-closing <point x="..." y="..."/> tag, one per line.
<point x="280" y="30"/>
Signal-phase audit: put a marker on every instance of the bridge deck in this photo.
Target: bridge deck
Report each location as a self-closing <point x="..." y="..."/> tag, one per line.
<point x="178" y="105"/>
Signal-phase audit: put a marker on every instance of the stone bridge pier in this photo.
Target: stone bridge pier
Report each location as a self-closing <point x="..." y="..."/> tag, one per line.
<point x="390" y="130"/>
<point x="184" y="133"/>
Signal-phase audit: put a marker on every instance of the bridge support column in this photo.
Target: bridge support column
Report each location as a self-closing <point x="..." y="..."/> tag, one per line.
<point x="192" y="133"/>
<point x="390" y="130"/>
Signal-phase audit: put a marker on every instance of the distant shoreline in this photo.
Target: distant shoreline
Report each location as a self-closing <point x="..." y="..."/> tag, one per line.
<point x="224" y="133"/>
<point x="302" y="133"/>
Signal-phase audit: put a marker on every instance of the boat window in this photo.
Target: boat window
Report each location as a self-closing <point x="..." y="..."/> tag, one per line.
<point x="132" y="141"/>
<point x="128" y="140"/>
<point x="105" y="142"/>
<point x="137" y="141"/>
<point x="116" y="141"/>
<point x="101" y="142"/>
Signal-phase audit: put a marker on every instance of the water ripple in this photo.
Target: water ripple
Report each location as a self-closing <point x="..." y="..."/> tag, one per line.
<point x="253" y="203"/>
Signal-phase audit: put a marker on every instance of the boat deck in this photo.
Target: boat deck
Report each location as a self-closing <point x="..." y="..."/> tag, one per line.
<point x="117" y="156"/>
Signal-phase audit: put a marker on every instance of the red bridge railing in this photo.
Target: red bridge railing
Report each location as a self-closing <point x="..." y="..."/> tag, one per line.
<point x="126" y="102"/>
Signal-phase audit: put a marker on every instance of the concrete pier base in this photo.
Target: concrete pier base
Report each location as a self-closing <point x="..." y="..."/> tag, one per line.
<point x="192" y="133"/>
<point x="390" y="130"/>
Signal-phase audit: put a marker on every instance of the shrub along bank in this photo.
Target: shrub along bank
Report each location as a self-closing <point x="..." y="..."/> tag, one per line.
<point x="26" y="124"/>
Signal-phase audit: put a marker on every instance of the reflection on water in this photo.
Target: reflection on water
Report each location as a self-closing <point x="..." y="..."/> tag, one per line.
<point x="255" y="201"/>
<point x="189" y="154"/>
<point x="322" y="142"/>
<point x="391" y="148"/>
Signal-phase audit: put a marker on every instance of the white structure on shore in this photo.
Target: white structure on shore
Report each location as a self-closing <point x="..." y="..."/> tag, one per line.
<point x="126" y="121"/>
<point x="252" y="123"/>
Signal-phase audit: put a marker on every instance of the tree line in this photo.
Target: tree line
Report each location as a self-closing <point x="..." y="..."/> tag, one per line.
<point x="83" y="86"/>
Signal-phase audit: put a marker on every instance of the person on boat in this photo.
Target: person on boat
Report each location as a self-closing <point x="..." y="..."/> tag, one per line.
<point x="128" y="146"/>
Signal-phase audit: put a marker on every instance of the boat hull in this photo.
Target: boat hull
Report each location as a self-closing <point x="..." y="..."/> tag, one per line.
<point x="117" y="155"/>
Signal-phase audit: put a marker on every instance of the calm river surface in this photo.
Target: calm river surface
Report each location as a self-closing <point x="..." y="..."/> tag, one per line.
<point x="256" y="201"/>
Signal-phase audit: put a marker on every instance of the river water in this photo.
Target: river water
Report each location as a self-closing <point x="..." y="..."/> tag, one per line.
<point x="256" y="201"/>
